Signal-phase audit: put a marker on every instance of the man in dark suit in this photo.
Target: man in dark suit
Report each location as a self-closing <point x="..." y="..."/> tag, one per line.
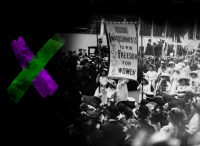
<point x="113" y="134"/>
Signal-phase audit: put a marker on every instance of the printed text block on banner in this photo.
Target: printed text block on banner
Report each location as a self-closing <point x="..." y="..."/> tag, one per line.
<point x="122" y="41"/>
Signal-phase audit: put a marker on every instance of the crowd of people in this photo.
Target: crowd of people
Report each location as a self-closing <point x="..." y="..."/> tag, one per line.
<point x="167" y="112"/>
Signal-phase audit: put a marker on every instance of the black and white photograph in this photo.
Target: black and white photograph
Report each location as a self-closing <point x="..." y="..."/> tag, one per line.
<point x="101" y="73"/>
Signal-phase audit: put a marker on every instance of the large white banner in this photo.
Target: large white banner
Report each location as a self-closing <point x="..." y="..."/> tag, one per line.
<point x="122" y="40"/>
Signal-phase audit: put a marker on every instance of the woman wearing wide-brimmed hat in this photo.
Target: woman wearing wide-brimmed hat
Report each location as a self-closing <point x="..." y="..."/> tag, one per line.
<point x="103" y="81"/>
<point x="194" y="81"/>
<point x="166" y="78"/>
<point x="152" y="76"/>
<point x="183" y="86"/>
<point x="170" y="67"/>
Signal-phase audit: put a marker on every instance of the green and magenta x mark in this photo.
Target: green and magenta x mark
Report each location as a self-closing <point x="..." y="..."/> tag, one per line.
<point x="33" y="71"/>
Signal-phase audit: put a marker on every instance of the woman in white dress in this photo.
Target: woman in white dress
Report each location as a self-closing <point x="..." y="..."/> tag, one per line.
<point x="174" y="79"/>
<point x="152" y="76"/>
<point x="194" y="81"/>
<point x="183" y="86"/>
<point x="103" y="81"/>
<point x="122" y="89"/>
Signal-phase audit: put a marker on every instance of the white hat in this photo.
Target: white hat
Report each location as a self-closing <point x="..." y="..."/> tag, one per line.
<point x="112" y="82"/>
<point x="165" y="75"/>
<point x="171" y="62"/>
<point x="193" y="72"/>
<point x="132" y="99"/>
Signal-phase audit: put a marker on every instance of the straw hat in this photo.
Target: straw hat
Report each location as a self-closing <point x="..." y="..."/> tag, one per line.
<point x="183" y="77"/>
<point x="193" y="73"/>
<point x="165" y="75"/>
<point x="131" y="99"/>
<point x="145" y="79"/>
<point x="112" y="82"/>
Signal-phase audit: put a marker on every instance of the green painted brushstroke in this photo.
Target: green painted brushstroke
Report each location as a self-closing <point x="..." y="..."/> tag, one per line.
<point x="22" y="82"/>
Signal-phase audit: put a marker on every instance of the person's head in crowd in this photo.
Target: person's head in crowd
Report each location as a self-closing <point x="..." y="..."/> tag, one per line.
<point x="130" y="102"/>
<point x="188" y="97"/>
<point x="144" y="81"/>
<point x="184" y="81"/>
<point x="177" y="70"/>
<point x="143" y="112"/>
<point x="171" y="64"/>
<point x="163" y="85"/>
<point x="121" y="106"/>
<point x="175" y="116"/>
<point x="176" y="103"/>
<point x="104" y="72"/>
<point x="149" y="41"/>
<point x="163" y="68"/>
<point x="151" y="67"/>
<point x="79" y="67"/>
<point x="112" y="112"/>
<point x="128" y="113"/>
<point x="166" y="106"/>
<point x="162" y="63"/>
<point x="186" y="62"/>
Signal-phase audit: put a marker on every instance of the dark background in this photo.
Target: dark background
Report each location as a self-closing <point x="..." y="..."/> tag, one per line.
<point x="32" y="119"/>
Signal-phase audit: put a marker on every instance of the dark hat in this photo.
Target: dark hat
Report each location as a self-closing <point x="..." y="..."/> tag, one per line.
<point x="112" y="111"/>
<point x="112" y="82"/>
<point x="144" y="102"/>
<point x="163" y="83"/>
<point x="128" y="113"/>
<point x="151" y="65"/>
<point x="143" y="111"/>
<point x="184" y="78"/>
<point x="91" y="100"/>
<point x="176" y="114"/>
<point x="145" y="79"/>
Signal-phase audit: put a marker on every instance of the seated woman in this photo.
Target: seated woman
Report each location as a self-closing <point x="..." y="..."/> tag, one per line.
<point x="122" y="89"/>
<point x="103" y="81"/>
<point x="151" y="75"/>
<point x="144" y="88"/>
<point x="194" y="81"/>
<point x="175" y="77"/>
<point x="166" y="85"/>
<point x="163" y="88"/>
<point x="183" y="86"/>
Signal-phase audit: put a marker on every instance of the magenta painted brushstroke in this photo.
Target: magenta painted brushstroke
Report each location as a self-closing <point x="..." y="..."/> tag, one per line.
<point x="43" y="83"/>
